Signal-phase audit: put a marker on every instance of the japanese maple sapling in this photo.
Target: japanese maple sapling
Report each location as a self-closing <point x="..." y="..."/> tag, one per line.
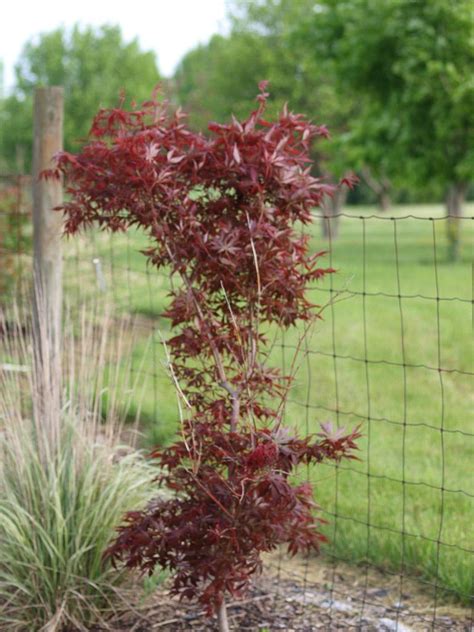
<point x="221" y="214"/>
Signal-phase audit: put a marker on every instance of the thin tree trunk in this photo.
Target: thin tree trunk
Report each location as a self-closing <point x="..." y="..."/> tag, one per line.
<point x="454" y="202"/>
<point x="384" y="201"/>
<point x="222" y="618"/>
<point x="381" y="187"/>
<point x="330" y="211"/>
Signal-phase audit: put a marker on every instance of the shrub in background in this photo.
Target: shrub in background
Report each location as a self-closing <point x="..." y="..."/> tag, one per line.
<point x="64" y="481"/>
<point x="15" y="232"/>
<point x="224" y="215"/>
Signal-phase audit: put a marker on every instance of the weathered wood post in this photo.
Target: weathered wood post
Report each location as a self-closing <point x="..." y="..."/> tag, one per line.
<point x="47" y="232"/>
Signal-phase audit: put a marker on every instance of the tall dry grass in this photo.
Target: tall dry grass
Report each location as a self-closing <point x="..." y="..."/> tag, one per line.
<point x="65" y="478"/>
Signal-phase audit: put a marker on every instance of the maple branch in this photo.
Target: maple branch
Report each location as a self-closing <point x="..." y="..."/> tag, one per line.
<point x="212" y="345"/>
<point x="234" y="395"/>
<point x="292" y="373"/>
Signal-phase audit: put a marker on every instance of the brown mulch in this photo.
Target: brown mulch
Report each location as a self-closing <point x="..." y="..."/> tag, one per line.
<point x="304" y="596"/>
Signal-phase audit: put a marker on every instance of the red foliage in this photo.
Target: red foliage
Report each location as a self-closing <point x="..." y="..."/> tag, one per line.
<point x="221" y="215"/>
<point x="213" y="533"/>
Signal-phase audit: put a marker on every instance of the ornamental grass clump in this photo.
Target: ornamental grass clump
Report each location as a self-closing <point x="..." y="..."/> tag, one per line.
<point x="65" y="481"/>
<point x="224" y="216"/>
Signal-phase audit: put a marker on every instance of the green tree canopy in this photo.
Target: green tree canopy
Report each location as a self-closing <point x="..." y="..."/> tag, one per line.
<point x="393" y="81"/>
<point x="220" y="78"/>
<point x="412" y="60"/>
<point x="268" y="40"/>
<point x="92" y="64"/>
<point x="264" y="43"/>
<point x="223" y="75"/>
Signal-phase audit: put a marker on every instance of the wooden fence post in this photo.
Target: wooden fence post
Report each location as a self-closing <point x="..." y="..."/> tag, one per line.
<point x="47" y="224"/>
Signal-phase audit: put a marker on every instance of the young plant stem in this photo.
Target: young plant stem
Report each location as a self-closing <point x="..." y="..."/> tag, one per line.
<point x="222" y="617"/>
<point x="234" y="395"/>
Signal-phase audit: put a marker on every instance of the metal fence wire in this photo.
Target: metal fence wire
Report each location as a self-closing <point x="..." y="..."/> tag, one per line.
<point x="392" y="352"/>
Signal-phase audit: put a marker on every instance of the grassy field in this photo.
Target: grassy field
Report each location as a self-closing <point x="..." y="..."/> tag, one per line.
<point x="399" y="312"/>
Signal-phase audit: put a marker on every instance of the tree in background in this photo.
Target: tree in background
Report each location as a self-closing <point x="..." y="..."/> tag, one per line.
<point x="217" y="80"/>
<point x="413" y="60"/>
<point x="92" y="64"/>
<point x="220" y="77"/>
<point x="305" y="80"/>
<point x="390" y="79"/>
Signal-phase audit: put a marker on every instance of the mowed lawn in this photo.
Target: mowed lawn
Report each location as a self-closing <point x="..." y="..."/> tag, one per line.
<point x="396" y="312"/>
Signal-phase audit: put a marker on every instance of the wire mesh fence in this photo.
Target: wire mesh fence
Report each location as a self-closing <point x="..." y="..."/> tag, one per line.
<point x="391" y="352"/>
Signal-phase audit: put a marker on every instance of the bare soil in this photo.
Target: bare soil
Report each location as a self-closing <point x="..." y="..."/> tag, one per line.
<point x="308" y="595"/>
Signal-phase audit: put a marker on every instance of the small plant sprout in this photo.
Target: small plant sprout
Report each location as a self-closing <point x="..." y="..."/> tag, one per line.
<point x="224" y="215"/>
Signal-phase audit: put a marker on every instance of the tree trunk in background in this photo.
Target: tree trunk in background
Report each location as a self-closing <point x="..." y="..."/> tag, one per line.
<point x="384" y="201"/>
<point x="454" y="201"/>
<point x="381" y="187"/>
<point x="330" y="211"/>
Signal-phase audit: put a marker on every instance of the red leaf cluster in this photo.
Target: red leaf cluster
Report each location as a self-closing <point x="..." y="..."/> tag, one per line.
<point x="212" y="534"/>
<point x="224" y="215"/>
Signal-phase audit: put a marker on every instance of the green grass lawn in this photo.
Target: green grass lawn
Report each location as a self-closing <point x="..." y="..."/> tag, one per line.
<point x="374" y="360"/>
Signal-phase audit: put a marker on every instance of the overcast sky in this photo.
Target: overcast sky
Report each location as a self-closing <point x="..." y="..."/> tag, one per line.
<point x="169" y="27"/>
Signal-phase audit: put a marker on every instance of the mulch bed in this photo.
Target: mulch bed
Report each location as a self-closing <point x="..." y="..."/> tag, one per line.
<point x="297" y="596"/>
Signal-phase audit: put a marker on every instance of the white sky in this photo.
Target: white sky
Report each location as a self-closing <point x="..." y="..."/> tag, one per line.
<point x="169" y="27"/>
